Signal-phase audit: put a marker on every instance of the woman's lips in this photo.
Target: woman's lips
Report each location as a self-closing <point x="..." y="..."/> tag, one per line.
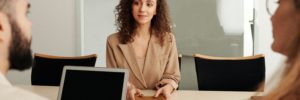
<point x="142" y="16"/>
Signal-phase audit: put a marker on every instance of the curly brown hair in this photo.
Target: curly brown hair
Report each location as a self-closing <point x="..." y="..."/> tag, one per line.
<point x="160" y="23"/>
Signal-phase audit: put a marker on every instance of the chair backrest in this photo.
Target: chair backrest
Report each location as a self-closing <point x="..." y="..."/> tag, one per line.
<point x="230" y="74"/>
<point x="179" y="60"/>
<point x="47" y="69"/>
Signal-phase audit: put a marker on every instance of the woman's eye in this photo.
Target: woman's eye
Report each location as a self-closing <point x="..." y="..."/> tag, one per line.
<point x="136" y="3"/>
<point x="149" y="4"/>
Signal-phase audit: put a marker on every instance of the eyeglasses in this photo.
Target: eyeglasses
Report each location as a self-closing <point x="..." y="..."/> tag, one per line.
<point x="271" y="6"/>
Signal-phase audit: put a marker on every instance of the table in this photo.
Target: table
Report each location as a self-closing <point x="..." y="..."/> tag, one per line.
<point x="51" y="92"/>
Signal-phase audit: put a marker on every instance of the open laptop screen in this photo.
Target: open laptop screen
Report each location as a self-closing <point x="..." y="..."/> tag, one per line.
<point x="87" y="83"/>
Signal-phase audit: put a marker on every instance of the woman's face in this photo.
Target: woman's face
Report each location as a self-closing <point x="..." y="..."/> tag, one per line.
<point x="285" y="25"/>
<point x="143" y="11"/>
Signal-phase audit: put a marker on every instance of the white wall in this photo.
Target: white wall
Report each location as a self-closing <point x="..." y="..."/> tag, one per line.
<point x="53" y="26"/>
<point x="197" y="23"/>
<point x="98" y="23"/>
<point x="53" y="32"/>
<point x="263" y="40"/>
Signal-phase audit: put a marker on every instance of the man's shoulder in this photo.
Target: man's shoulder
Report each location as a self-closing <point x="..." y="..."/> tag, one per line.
<point x="14" y="93"/>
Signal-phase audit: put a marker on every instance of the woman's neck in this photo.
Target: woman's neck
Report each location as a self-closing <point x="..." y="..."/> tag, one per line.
<point x="143" y="30"/>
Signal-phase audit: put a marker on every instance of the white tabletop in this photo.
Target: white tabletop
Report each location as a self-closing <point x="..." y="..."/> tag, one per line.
<point x="51" y="92"/>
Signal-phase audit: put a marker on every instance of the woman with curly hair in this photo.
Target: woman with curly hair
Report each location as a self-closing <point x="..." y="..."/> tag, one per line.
<point x="145" y="46"/>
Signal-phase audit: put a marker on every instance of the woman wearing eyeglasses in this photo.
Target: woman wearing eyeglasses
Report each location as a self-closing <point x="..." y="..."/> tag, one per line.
<point x="145" y="46"/>
<point x="286" y="33"/>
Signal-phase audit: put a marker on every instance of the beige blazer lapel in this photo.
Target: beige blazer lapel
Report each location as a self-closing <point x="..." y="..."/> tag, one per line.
<point x="152" y="54"/>
<point x="152" y="68"/>
<point x="129" y="55"/>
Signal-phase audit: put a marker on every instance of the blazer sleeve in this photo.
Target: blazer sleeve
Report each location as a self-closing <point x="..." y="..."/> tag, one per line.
<point x="110" y="57"/>
<point x="171" y="74"/>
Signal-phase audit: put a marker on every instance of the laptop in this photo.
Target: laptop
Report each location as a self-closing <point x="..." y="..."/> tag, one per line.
<point x="93" y="83"/>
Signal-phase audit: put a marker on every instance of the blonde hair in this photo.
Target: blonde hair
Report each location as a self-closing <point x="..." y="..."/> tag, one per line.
<point x="289" y="86"/>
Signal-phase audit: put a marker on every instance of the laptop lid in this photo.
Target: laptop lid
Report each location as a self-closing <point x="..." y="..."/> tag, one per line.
<point x="93" y="83"/>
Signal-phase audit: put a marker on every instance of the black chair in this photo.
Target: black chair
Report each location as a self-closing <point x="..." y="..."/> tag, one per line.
<point x="47" y="69"/>
<point x="230" y="74"/>
<point x="179" y="60"/>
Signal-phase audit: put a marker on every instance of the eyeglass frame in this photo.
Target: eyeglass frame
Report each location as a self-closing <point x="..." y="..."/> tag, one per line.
<point x="267" y="8"/>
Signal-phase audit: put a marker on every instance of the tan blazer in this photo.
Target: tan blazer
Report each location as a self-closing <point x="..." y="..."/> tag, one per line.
<point x="161" y="62"/>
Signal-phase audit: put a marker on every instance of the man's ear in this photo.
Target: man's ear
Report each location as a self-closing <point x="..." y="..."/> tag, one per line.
<point x="4" y="26"/>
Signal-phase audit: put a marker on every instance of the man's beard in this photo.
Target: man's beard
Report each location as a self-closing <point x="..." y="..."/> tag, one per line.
<point x="20" y="56"/>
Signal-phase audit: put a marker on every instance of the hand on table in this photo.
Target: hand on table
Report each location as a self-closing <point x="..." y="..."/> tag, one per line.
<point x="165" y="91"/>
<point x="132" y="91"/>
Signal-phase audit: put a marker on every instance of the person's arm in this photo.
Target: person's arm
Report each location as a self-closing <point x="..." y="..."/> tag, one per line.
<point x="110" y="57"/>
<point x="171" y="74"/>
